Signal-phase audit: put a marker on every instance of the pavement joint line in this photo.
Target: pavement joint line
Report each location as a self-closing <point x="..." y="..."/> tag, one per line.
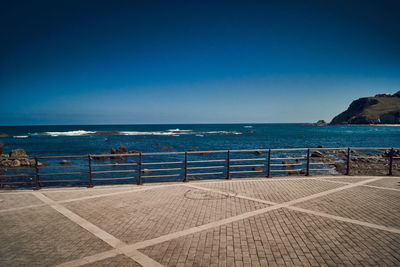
<point x="90" y="259"/>
<point x="128" y="249"/>
<point x="380" y="187"/>
<point x="232" y="195"/>
<point x="344" y="219"/>
<point x="364" y="185"/>
<point x="22" y="208"/>
<point x="96" y="231"/>
<point x="322" y="214"/>
<point x="77" y="199"/>
<point x="246" y="215"/>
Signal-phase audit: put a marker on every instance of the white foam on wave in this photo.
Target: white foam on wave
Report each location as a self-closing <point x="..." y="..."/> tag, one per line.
<point x="170" y="132"/>
<point x="248" y="126"/>
<point x="70" y="133"/>
<point x="146" y="133"/>
<point x="20" y="136"/>
<point x="222" y="132"/>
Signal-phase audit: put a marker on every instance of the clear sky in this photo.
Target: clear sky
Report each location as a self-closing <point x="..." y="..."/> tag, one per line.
<point x="100" y="62"/>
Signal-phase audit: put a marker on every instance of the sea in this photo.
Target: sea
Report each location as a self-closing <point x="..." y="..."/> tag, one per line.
<point x="98" y="139"/>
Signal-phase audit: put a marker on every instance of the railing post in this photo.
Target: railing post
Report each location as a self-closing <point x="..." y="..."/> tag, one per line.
<point x="186" y="177"/>
<point x="308" y="163"/>
<point x="391" y="162"/>
<point x="90" y="171"/>
<point x="37" y="173"/>
<point x="269" y="164"/>
<point x="228" y="168"/>
<point x="348" y="161"/>
<point x="140" y="169"/>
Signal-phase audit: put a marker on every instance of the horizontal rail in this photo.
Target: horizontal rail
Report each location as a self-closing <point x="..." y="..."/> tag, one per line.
<point x="206" y="167"/>
<point x="162" y="163"/>
<point x="328" y="169"/>
<point x="251" y="165"/>
<point x="167" y="175"/>
<point x="286" y="164"/>
<point x="116" y="171"/>
<point x="114" y="164"/>
<point x="291" y="170"/>
<point x="64" y="166"/>
<point x="205" y="173"/>
<point x="300" y="158"/>
<point x="16" y="175"/>
<point x="157" y="170"/>
<point x="244" y="171"/>
<point x="63" y="181"/>
<point x="6" y="183"/>
<point x="255" y="159"/>
<point x="205" y="161"/>
<point x="62" y="173"/>
<point x="118" y="178"/>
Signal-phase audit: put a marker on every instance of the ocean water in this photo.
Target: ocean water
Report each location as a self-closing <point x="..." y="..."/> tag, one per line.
<point x="80" y="139"/>
<point x="85" y="139"/>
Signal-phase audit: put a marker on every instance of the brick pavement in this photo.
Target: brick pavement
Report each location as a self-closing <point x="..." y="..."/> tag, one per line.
<point x="247" y="222"/>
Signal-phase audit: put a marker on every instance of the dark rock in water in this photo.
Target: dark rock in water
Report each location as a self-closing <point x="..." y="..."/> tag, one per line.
<point x="65" y="162"/>
<point x="18" y="153"/>
<point x="320" y="146"/>
<point x="102" y="157"/>
<point x="3" y="135"/>
<point x="257" y="168"/>
<point x="321" y="123"/>
<point x="167" y="147"/>
<point x="134" y="151"/>
<point x="191" y="150"/>
<point x="380" y="109"/>
<point x="120" y="150"/>
<point x="258" y="153"/>
<point x="249" y="131"/>
<point x="1" y="148"/>
<point x="317" y="154"/>
<point x="287" y="165"/>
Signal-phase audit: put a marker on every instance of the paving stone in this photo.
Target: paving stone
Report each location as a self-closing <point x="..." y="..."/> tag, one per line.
<point x="8" y="201"/>
<point x="78" y="193"/>
<point x="43" y="237"/>
<point x="274" y="190"/>
<point x="348" y="179"/>
<point x="138" y="216"/>
<point x="117" y="261"/>
<point x="387" y="182"/>
<point x="362" y="203"/>
<point x="286" y="238"/>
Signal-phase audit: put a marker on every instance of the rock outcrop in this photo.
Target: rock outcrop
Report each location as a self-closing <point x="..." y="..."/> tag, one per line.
<point x="120" y="150"/>
<point x="321" y="123"/>
<point x="380" y="109"/>
<point x="16" y="158"/>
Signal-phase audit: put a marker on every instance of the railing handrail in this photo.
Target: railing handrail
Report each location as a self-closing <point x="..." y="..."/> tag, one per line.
<point x="266" y="161"/>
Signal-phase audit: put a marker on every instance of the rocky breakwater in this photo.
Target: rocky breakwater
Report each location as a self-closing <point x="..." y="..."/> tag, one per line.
<point x="118" y="152"/>
<point x="360" y="163"/>
<point x="16" y="158"/>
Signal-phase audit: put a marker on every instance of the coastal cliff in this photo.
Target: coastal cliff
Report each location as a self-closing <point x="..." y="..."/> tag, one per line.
<point x="379" y="109"/>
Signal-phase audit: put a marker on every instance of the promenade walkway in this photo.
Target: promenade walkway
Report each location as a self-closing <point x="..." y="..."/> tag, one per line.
<point x="318" y="220"/>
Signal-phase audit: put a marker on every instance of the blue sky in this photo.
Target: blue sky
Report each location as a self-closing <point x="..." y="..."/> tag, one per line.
<point x="100" y="62"/>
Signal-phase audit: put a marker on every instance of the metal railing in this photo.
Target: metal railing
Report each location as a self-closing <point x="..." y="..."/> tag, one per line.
<point x="190" y="165"/>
